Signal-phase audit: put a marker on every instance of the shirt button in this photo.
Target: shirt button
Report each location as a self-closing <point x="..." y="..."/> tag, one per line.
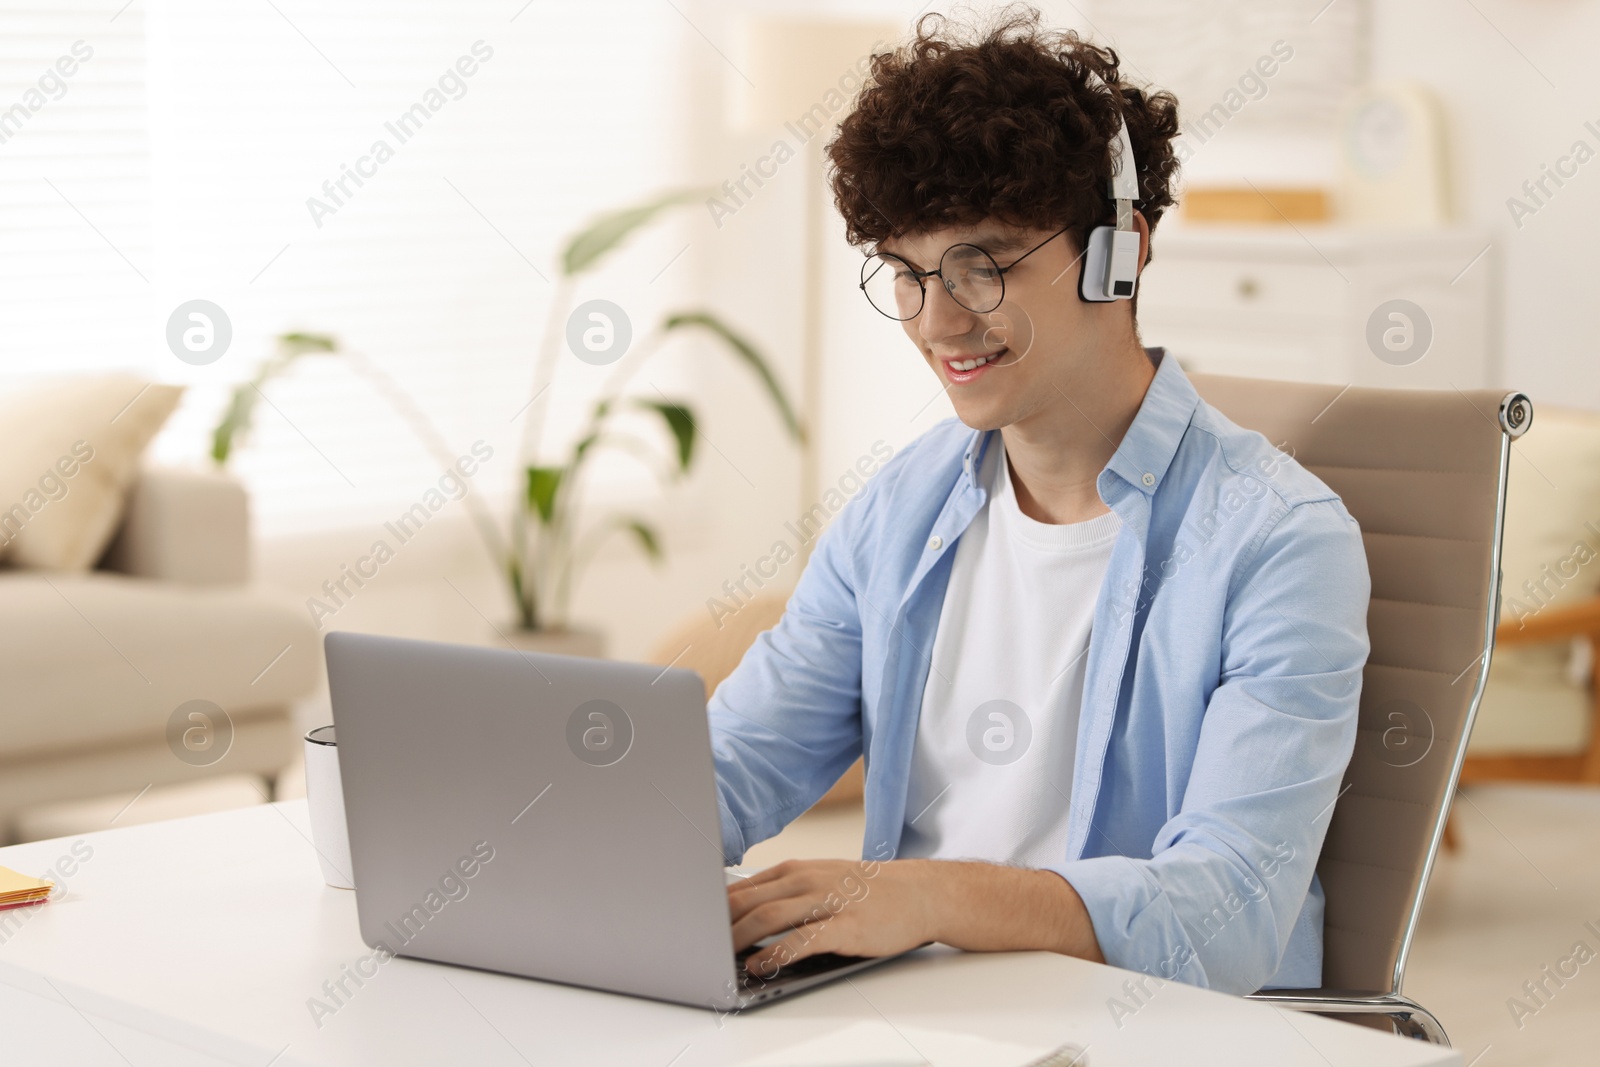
<point x="1148" y="479"/>
<point x="936" y="542"/>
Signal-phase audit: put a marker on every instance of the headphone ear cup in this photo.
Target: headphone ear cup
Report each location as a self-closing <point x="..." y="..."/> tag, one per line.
<point x="1122" y="273"/>
<point x="1096" y="254"/>
<point x="1110" y="265"/>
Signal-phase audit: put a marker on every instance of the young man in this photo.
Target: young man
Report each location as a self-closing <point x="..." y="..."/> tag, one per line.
<point x="1100" y="647"/>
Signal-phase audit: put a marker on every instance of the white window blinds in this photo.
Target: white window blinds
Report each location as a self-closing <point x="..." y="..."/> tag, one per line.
<point x="397" y="174"/>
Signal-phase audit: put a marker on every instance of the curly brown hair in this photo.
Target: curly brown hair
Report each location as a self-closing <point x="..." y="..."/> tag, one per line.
<point x="951" y="129"/>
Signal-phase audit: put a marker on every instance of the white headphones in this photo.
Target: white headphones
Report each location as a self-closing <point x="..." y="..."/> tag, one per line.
<point x="1111" y="256"/>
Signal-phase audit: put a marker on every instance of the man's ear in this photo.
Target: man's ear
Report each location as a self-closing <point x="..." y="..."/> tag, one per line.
<point x="1140" y="224"/>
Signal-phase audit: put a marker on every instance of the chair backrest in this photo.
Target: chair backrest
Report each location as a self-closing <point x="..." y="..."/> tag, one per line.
<point x="1424" y="474"/>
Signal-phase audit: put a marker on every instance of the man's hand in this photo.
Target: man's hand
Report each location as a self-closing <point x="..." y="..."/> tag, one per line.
<point x="871" y="908"/>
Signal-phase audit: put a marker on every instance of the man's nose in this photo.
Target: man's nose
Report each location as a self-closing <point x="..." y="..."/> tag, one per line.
<point x="942" y="318"/>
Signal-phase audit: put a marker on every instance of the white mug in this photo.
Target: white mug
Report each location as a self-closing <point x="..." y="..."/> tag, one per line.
<point x="325" y="798"/>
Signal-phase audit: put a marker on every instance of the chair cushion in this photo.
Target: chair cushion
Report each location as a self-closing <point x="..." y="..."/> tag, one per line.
<point x="72" y="450"/>
<point x="100" y="658"/>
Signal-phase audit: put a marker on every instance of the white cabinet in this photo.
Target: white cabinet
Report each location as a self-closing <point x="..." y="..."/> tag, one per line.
<point x="1300" y="303"/>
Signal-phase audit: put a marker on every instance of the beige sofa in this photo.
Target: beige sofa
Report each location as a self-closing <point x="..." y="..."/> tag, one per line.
<point x="96" y="665"/>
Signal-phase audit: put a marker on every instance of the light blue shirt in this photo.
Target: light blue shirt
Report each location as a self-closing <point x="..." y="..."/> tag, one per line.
<point x="1219" y="699"/>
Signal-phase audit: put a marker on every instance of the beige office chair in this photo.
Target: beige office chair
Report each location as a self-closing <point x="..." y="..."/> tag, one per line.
<point x="1424" y="473"/>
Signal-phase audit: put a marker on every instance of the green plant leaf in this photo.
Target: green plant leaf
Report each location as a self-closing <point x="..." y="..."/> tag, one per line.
<point x="606" y="232"/>
<point x="542" y="485"/>
<point x="602" y="408"/>
<point x="680" y="420"/>
<point x="747" y="352"/>
<point x="235" y="422"/>
<point x="645" y="534"/>
<point x="297" y="344"/>
<point x="642" y="532"/>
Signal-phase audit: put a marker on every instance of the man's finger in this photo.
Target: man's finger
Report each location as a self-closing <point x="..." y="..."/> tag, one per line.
<point x="808" y="939"/>
<point x="764" y="875"/>
<point x="767" y="876"/>
<point x="774" y="916"/>
<point x="742" y="900"/>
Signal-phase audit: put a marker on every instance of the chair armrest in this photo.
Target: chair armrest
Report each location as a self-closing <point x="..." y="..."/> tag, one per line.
<point x="190" y="526"/>
<point x="1580" y="619"/>
<point x="1409" y="1018"/>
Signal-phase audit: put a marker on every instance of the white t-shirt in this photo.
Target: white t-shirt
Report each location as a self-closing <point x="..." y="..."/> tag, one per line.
<point x="991" y="771"/>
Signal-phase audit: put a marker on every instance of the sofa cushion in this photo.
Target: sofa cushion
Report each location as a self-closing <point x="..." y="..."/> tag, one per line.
<point x="190" y="526"/>
<point x="72" y="450"/>
<point x="99" y="658"/>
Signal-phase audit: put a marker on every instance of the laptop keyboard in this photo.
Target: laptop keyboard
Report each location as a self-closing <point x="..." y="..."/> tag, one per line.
<point x="801" y="968"/>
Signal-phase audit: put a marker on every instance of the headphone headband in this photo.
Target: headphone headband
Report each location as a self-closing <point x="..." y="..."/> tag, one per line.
<point x="1124" y="182"/>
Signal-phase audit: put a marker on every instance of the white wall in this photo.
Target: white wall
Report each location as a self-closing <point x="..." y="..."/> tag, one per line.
<point x="1488" y="63"/>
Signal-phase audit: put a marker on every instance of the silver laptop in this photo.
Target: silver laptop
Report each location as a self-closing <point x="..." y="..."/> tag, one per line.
<point x="547" y="816"/>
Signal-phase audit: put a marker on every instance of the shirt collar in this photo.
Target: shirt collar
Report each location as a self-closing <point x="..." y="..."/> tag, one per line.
<point x="1146" y="450"/>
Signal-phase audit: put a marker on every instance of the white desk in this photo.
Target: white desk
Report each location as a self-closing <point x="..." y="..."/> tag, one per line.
<point x="200" y="941"/>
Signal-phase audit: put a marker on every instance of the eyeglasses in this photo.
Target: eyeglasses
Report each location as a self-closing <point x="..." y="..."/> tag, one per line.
<point x="969" y="274"/>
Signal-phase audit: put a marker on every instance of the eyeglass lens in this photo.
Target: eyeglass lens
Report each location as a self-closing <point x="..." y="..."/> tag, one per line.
<point x="970" y="276"/>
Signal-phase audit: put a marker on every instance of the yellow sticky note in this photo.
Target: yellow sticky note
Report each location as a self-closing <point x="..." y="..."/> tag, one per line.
<point x="14" y="884"/>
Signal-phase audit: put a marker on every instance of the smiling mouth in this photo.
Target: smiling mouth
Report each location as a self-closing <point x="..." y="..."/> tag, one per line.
<point x="974" y="362"/>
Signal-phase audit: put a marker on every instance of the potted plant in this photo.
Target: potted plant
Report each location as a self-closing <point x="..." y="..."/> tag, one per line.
<point x="551" y="539"/>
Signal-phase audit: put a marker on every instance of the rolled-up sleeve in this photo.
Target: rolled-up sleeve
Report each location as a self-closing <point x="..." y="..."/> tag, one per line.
<point x="1229" y="874"/>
